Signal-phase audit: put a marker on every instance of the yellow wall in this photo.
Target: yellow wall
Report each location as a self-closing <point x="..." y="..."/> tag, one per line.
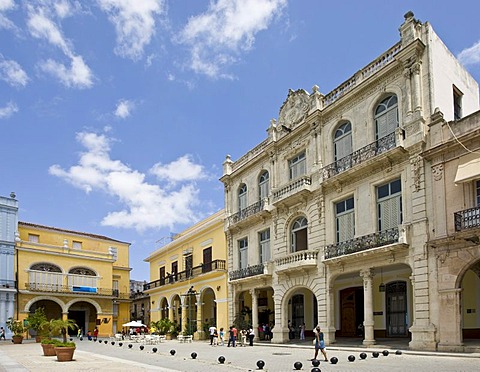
<point x="207" y="233"/>
<point x="55" y="246"/>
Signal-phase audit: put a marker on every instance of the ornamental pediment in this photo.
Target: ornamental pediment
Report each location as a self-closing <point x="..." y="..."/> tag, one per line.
<point x="294" y="109"/>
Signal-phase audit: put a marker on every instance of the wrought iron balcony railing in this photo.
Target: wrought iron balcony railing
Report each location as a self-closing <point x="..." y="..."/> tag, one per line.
<point x="187" y="274"/>
<point x="247" y="272"/>
<point x="467" y="219"/>
<point x="362" y="243"/>
<point x="376" y="148"/>
<point x="248" y="211"/>
<point x="77" y="290"/>
<point x="7" y="283"/>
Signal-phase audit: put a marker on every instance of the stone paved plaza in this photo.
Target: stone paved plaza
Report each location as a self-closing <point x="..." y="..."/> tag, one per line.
<point x="95" y="356"/>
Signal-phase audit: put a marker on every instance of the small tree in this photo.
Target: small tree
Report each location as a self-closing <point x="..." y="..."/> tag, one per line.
<point x="38" y="322"/>
<point x="164" y="326"/>
<point x="16" y="326"/>
<point x="61" y="327"/>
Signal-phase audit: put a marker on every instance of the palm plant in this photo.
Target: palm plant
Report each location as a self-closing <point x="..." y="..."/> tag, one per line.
<point x="61" y="327"/>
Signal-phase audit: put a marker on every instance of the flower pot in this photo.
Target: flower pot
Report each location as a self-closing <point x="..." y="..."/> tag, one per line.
<point x="64" y="354"/>
<point x="48" y="350"/>
<point x="17" y="339"/>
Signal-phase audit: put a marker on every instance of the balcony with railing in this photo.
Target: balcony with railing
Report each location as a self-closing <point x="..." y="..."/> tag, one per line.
<point x="8" y="284"/>
<point x="363" y="155"/>
<point x="363" y="243"/>
<point x="75" y="290"/>
<point x="258" y="209"/>
<point x="297" y="260"/>
<point x="467" y="219"/>
<point x="294" y="190"/>
<point x="216" y="265"/>
<point x="250" y="271"/>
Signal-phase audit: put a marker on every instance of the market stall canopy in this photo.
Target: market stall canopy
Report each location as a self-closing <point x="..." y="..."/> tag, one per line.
<point x="134" y="323"/>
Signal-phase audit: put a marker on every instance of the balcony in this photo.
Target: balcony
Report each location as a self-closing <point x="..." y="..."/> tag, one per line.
<point x="75" y="290"/>
<point x="293" y="191"/>
<point x="9" y="284"/>
<point x="257" y="209"/>
<point x="216" y="265"/>
<point x="297" y="261"/>
<point x="364" y="243"/>
<point x="364" y="155"/>
<point x="467" y="219"/>
<point x="250" y="271"/>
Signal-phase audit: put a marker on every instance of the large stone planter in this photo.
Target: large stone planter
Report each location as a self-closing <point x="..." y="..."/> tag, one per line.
<point x="16" y="339"/>
<point x="48" y="349"/>
<point x="64" y="354"/>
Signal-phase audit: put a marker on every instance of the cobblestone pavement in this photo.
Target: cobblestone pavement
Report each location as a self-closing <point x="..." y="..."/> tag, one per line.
<point x="96" y="356"/>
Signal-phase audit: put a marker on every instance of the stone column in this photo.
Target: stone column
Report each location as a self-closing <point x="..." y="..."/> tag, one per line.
<point x="450" y="329"/>
<point x="368" y="323"/>
<point x="184" y="316"/>
<point x="65" y="316"/>
<point x="254" y="294"/>
<point x="417" y="88"/>
<point x="171" y="312"/>
<point x="3" y="310"/>
<point x="408" y="102"/>
<point x="199" y="304"/>
<point x="330" y="330"/>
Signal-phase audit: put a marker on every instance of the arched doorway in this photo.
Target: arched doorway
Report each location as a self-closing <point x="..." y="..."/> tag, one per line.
<point x="302" y="309"/>
<point x="470" y="304"/>
<point x="209" y="307"/>
<point x="163" y="308"/>
<point x="351" y="311"/>
<point x="84" y="314"/>
<point x="52" y="309"/>
<point x="396" y="309"/>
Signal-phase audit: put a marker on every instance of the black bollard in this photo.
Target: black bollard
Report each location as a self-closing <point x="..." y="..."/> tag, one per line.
<point x="316" y="369"/>
<point x="398" y="352"/>
<point x="315" y="362"/>
<point x="221" y="359"/>
<point x="81" y="338"/>
<point x="260" y="364"/>
<point x="172" y="352"/>
<point x="385" y="352"/>
<point x="193" y="355"/>
<point x="351" y="358"/>
<point x="113" y="342"/>
<point x="141" y="347"/>
<point x="154" y="349"/>
<point x="130" y="346"/>
<point x="71" y="339"/>
<point x="106" y="342"/>
<point x="334" y="360"/>
<point x="363" y="356"/>
<point x="297" y="365"/>
<point x="120" y="344"/>
<point x="375" y="354"/>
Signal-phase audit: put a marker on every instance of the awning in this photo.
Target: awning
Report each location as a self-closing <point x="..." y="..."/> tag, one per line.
<point x="468" y="168"/>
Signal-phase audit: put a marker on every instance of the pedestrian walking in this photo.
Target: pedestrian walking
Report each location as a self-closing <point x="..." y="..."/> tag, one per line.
<point x="2" y="333"/>
<point x="222" y="337"/>
<point x="251" y="336"/>
<point x="212" y="331"/>
<point x="319" y="343"/>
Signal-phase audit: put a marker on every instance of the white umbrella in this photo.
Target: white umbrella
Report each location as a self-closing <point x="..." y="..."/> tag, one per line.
<point x="134" y="323"/>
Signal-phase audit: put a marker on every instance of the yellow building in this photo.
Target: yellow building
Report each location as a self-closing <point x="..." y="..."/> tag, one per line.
<point x="189" y="278"/>
<point x="75" y="275"/>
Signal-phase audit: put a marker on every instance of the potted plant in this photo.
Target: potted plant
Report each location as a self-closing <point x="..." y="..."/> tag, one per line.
<point x="165" y="327"/>
<point x="64" y="350"/>
<point x="48" y="346"/>
<point x="38" y="323"/>
<point x="18" y="329"/>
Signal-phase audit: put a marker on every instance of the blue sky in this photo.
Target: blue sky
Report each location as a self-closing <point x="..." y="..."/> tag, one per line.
<point x="116" y="115"/>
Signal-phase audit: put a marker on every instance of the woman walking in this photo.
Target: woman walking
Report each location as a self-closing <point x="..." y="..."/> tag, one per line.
<point x="319" y="343"/>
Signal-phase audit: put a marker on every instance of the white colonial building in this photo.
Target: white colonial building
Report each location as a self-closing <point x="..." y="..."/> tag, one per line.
<point x="329" y="218"/>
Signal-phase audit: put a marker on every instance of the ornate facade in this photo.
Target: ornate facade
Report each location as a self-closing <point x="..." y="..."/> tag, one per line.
<point x="189" y="278"/>
<point x="75" y="275"/>
<point x="329" y="219"/>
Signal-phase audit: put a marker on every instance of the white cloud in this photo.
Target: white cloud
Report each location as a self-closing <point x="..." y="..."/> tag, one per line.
<point x="182" y="169"/>
<point x="134" y="23"/>
<point x="78" y="75"/>
<point x="124" y="108"/>
<point x="12" y="73"/>
<point x="470" y="56"/>
<point x="146" y="205"/>
<point x="41" y="24"/>
<point x="5" y="23"/>
<point x="227" y="28"/>
<point x="8" y="110"/>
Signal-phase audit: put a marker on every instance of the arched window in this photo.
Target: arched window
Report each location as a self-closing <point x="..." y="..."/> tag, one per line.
<point x="264" y="185"/>
<point x="79" y="278"/>
<point x="242" y="197"/>
<point x="386" y="117"/>
<point x="342" y="142"/>
<point x="299" y="234"/>
<point x="82" y="271"/>
<point x="44" y="266"/>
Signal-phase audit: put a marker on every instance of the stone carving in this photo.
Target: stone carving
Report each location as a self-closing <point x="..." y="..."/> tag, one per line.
<point x="294" y="109"/>
<point x="416" y="168"/>
<point x="437" y="171"/>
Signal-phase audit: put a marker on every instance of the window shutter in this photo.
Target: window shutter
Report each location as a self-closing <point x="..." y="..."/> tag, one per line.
<point x="382" y="126"/>
<point x="346" y="227"/>
<point x="343" y="147"/>
<point x="389" y="210"/>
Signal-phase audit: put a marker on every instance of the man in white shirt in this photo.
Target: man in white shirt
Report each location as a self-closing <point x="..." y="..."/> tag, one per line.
<point x="212" y="330"/>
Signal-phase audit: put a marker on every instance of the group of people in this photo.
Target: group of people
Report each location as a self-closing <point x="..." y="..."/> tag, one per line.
<point x="235" y="337"/>
<point x="265" y="330"/>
